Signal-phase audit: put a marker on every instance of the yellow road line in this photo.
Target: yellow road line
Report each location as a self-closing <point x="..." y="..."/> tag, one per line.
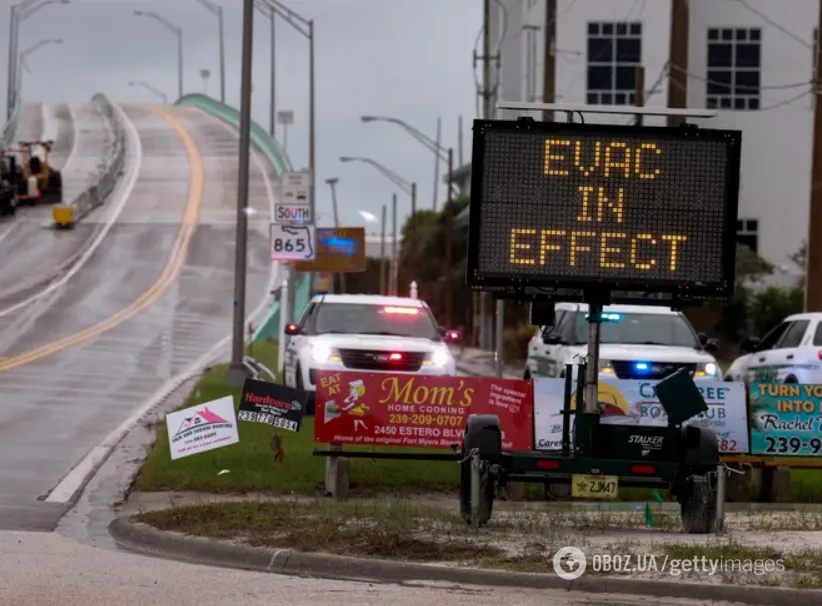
<point x="171" y="272"/>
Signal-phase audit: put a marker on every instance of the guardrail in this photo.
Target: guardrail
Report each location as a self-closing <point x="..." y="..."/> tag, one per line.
<point x="109" y="171"/>
<point x="269" y="328"/>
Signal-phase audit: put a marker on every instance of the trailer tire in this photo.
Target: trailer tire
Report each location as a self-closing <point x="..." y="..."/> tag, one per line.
<point x="482" y="432"/>
<point x="698" y="505"/>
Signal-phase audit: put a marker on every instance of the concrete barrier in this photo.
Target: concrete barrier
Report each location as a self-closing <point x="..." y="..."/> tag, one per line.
<point x="110" y="170"/>
<point x="269" y="328"/>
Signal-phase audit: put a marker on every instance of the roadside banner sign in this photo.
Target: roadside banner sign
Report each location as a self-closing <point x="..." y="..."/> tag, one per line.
<point x="292" y="242"/>
<point x="295" y="188"/>
<point x="786" y="419"/>
<point x="202" y="428"/>
<point x="339" y="250"/>
<point x="380" y="409"/>
<point x="273" y="404"/>
<point x="633" y="402"/>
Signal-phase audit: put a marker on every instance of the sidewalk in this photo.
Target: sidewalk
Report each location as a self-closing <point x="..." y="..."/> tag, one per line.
<point x="480" y="363"/>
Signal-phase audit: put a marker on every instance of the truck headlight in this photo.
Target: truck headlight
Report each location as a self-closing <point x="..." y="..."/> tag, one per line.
<point x="439" y="358"/>
<point x="323" y="353"/>
<point x="708" y="369"/>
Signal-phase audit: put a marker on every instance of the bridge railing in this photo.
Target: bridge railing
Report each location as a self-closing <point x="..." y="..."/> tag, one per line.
<point x="269" y="328"/>
<point x="109" y="170"/>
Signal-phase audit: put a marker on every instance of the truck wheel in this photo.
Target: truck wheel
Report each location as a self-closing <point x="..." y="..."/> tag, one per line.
<point x="481" y="432"/>
<point x="698" y="505"/>
<point x="311" y="407"/>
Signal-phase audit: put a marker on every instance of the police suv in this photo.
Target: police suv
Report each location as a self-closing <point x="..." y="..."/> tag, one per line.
<point x="790" y="353"/>
<point x="364" y="332"/>
<point x="637" y="342"/>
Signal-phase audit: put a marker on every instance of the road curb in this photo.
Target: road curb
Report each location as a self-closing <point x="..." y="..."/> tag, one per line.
<point x="144" y="539"/>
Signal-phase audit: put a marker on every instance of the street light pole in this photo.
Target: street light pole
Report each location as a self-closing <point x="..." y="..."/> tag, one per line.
<point x="20" y="12"/>
<point x="236" y="374"/>
<point x="217" y="10"/>
<point x="332" y="183"/>
<point x="268" y="11"/>
<point x="177" y="31"/>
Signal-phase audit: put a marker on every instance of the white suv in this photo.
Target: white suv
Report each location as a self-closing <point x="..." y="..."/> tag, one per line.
<point x="790" y="353"/>
<point x="637" y="342"/>
<point x="364" y="332"/>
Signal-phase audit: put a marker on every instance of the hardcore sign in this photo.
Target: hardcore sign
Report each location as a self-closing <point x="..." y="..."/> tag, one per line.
<point x="565" y="201"/>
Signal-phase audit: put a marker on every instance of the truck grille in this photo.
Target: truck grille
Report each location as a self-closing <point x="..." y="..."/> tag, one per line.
<point x="364" y="359"/>
<point x="657" y="370"/>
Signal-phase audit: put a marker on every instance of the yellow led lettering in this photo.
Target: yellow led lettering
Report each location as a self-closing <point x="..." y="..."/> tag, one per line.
<point x="551" y="155"/>
<point x="545" y="247"/>
<point x="585" y="213"/>
<point x="605" y="249"/>
<point x="614" y="206"/>
<point x="649" y="264"/>
<point x="575" y="247"/>
<point x="587" y="171"/>
<point x="649" y="147"/>
<point x="674" y="240"/>
<point x="515" y="246"/>
<point x="618" y="157"/>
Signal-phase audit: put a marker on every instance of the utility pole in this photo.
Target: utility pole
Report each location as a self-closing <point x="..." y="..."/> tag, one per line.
<point x="449" y="245"/>
<point x="639" y="94"/>
<point x="437" y="144"/>
<point x="813" y="263"/>
<point x="678" y="59"/>
<point x="412" y="230"/>
<point x="549" y="65"/>
<point x="460" y="159"/>
<point x="236" y="373"/>
<point x="332" y="183"/>
<point x="382" y="254"/>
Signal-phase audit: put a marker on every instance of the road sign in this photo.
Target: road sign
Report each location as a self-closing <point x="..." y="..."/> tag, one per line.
<point x="296" y="188"/>
<point x="611" y="207"/>
<point x="292" y="242"/>
<point x="292" y="214"/>
<point x="285" y="117"/>
<point x="339" y="250"/>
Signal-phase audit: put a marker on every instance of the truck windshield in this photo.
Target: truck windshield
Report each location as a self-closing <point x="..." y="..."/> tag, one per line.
<point x="672" y="330"/>
<point x="389" y="320"/>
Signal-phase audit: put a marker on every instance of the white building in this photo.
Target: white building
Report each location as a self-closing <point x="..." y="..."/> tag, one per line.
<point x="753" y="60"/>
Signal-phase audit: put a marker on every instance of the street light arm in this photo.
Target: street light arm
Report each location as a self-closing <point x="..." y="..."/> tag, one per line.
<point x="162" y="20"/>
<point x="211" y="6"/>
<point x="264" y="8"/>
<point x="288" y="13"/>
<point x="38" y="46"/>
<point x="28" y="9"/>
<point x="385" y="171"/>
<point x="427" y="141"/>
<point x="151" y="88"/>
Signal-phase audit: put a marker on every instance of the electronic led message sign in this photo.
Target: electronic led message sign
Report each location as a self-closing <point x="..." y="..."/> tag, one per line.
<point x="617" y="206"/>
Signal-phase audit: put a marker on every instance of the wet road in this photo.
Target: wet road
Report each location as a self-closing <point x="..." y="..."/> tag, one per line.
<point x="153" y="297"/>
<point x="71" y="574"/>
<point x="30" y="251"/>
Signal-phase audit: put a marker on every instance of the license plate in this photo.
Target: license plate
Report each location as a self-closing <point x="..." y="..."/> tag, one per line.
<point x="586" y="486"/>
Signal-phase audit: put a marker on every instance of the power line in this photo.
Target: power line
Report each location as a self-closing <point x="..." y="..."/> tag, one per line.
<point x="773" y="23"/>
<point x="804" y="83"/>
<point x="775" y="104"/>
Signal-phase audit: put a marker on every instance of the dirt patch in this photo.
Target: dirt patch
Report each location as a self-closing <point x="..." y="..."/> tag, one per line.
<point x="763" y="548"/>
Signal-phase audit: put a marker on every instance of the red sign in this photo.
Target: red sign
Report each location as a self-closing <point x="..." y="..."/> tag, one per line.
<point x="380" y="409"/>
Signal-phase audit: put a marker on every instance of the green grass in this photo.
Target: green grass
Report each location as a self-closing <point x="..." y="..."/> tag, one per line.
<point x="251" y="463"/>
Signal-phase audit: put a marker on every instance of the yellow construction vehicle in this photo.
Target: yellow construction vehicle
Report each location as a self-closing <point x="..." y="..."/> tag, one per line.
<point x="43" y="184"/>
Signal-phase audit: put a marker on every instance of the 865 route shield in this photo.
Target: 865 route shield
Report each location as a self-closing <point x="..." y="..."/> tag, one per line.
<point x="404" y="410"/>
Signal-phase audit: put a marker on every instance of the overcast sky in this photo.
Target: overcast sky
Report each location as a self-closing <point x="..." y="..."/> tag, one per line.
<point x="410" y="59"/>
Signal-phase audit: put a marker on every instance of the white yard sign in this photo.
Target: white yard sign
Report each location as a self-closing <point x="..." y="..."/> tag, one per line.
<point x="292" y="242"/>
<point x="202" y="428"/>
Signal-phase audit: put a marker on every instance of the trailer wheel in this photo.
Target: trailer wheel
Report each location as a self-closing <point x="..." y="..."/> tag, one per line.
<point x="698" y="505"/>
<point x="481" y="432"/>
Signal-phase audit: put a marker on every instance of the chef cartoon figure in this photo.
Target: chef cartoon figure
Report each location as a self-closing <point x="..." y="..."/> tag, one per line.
<point x="352" y="404"/>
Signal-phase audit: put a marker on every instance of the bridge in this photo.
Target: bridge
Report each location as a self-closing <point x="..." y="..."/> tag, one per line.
<point x="103" y="317"/>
